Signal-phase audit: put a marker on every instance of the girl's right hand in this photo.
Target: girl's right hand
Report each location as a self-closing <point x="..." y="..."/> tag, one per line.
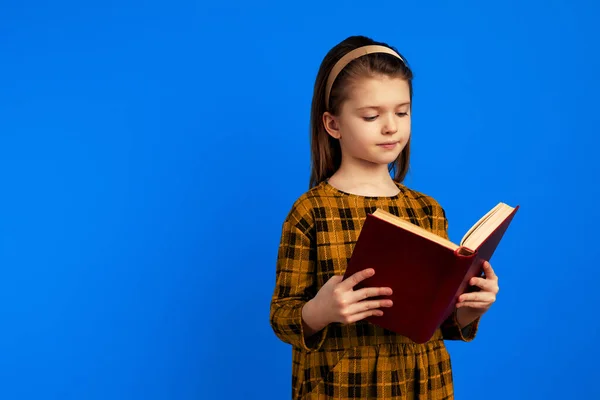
<point x="337" y="301"/>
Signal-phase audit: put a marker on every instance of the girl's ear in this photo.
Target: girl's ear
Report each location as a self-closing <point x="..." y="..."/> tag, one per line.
<point x="331" y="125"/>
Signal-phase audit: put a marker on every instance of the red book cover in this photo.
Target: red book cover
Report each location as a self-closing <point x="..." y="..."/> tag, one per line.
<point x="426" y="277"/>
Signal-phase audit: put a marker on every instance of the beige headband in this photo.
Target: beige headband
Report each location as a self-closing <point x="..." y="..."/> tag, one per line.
<point x="353" y="55"/>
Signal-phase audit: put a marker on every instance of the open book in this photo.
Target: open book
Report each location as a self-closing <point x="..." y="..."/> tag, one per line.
<point x="426" y="272"/>
<point x="475" y="236"/>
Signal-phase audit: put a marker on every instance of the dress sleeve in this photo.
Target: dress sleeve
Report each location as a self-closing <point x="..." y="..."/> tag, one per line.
<point x="295" y="283"/>
<point x="450" y="328"/>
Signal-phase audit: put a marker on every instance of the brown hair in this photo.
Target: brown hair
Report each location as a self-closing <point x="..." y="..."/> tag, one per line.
<point x="326" y="154"/>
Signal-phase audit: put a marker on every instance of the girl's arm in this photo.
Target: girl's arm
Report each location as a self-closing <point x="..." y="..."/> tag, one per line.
<point x="456" y="327"/>
<point x="295" y="285"/>
<point x="300" y="315"/>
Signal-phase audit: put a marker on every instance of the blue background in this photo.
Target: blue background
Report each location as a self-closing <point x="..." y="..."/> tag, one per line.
<point x="149" y="152"/>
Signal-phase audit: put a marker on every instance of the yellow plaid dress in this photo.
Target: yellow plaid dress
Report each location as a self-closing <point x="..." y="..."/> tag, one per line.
<point x="360" y="360"/>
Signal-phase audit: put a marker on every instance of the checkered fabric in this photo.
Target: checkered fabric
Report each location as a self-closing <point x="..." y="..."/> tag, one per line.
<point x="360" y="360"/>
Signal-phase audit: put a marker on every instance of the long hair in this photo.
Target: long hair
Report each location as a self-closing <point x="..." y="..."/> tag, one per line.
<point x="326" y="154"/>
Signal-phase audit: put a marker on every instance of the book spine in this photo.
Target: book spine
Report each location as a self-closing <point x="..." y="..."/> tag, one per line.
<point x="465" y="265"/>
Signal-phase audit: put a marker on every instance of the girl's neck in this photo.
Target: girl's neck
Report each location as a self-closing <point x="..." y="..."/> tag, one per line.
<point x="364" y="181"/>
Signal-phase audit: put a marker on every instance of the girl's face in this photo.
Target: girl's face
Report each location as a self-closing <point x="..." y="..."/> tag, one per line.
<point x="374" y="123"/>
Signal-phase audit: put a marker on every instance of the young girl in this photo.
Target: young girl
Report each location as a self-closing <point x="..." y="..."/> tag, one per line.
<point x="360" y="133"/>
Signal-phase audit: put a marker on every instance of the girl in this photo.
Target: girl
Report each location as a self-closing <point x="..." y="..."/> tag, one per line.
<point x="360" y="133"/>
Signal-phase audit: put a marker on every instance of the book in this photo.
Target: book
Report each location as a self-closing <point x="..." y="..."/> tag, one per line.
<point x="427" y="273"/>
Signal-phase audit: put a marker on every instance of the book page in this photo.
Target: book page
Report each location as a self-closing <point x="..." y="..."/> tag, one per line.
<point x="486" y="225"/>
<point x="479" y="223"/>
<point x="391" y="218"/>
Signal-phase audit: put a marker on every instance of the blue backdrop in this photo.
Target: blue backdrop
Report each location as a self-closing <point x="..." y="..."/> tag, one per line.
<point x="150" y="151"/>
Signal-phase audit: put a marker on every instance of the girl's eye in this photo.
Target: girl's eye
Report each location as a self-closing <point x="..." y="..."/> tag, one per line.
<point x="373" y="118"/>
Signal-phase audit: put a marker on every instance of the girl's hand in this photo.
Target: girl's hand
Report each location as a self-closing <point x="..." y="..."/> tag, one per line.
<point x="477" y="303"/>
<point x="337" y="301"/>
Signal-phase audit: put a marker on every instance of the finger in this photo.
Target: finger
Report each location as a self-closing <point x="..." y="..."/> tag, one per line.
<point x="473" y="304"/>
<point x="365" y="314"/>
<point x="489" y="271"/>
<point x="334" y="280"/>
<point x="367" y="305"/>
<point x="477" y="296"/>
<point x="356" y="278"/>
<point x="485" y="284"/>
<point x="365" y="293"/>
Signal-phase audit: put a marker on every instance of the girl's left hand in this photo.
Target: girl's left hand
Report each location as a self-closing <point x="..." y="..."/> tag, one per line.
<point x="479" y="302"/>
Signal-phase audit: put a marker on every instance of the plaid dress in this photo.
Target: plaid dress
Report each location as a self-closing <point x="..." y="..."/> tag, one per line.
<point x="360" y="360"/>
